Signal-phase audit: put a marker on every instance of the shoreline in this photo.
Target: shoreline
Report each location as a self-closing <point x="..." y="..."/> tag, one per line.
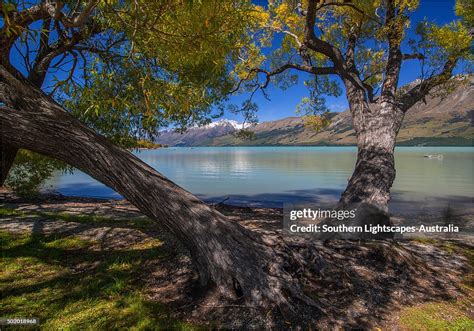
<point x="432" y="206"/>
<point x="457" y="212"/>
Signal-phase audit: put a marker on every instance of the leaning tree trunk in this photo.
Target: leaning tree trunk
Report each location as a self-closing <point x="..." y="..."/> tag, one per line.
<point x="225" y="254"/>
<point x="7" y="151"/>
<point x="7" y="156"/>
<point x="376" y="126"/>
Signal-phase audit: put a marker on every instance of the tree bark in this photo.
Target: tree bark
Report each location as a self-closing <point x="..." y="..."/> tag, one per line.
<point x="225" y="254"/>
<point x="376" y="126"/>
<point x="7" y="156"/>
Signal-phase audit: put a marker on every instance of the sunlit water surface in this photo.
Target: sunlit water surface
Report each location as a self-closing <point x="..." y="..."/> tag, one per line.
<point x="272" y="176"/>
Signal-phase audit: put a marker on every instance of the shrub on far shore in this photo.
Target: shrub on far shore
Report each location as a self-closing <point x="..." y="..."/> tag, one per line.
<point x="30" y="171"/>
<point x="148" y="144"/>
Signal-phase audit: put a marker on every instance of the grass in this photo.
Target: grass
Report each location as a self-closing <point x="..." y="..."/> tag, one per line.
<point x="69" y="285"/>
<point x="138" y="223"/>
<point x="435" y="316"/>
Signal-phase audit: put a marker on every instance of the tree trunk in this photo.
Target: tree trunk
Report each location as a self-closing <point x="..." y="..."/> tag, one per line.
<point x="376" y="126"/>
<point x="7" y="156"/>
<point x="7" y="151"/>
<point x="225" y="254"/>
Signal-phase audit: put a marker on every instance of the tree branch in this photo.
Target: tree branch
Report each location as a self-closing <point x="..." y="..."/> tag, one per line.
<point x="316" y="44"/>
<point x="347" y="72"/>
<point x="415" y="56"/>
<point x="420" y="91"/>
<point x="351" y="45"/>
<point x="268" y="74"/>
<point x="395" y="57"/>
<point x="20" y="20"/>
<point x="54" y="9"/>
<point x="43" y="61"/>
<point x="305" y="68"/>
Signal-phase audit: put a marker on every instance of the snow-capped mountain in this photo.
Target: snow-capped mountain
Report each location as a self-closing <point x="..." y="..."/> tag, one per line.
<point x="226" y="122"/>
<point x="197" y="136"/>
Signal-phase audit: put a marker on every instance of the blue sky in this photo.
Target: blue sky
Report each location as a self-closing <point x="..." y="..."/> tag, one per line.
<point x="283" y="103"/>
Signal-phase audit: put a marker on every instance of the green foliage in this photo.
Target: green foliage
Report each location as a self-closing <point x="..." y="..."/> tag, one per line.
<point x="465" y="10"/>
<point x="148" y="144"/>
<point x="454" y="38"/>
<point x="170" y="67"/>
<point x="30" y="171"/>
<point x="249" y="111"/>
<point x="244" y="134"/>
<point x="313" y="108"/>
<point x="439" y="43"/>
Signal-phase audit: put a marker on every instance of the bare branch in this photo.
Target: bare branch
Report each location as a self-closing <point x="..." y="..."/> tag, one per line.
<point x="415" y="56"/>
<point x="18" y="22"/>
<point x="80" y="19"/>
<point x="63" y="45"/>
<point x="54" y="10"/>
<point x="420" y="91"/>
<point x="312" y="70"/>
<point x="270" y="73"/>
<point x="70" y="73"/>
<point x="289" y="33"/>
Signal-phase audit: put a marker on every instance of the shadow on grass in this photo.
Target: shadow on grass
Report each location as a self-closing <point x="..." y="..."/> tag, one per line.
<point x="67" y="285"/>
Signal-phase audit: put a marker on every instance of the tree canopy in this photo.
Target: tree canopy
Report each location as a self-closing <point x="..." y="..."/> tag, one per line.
<point x="126" y="68"/>
<point x="363" y="41"/>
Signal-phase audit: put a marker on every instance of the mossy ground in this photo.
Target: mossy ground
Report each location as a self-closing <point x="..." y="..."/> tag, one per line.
<point x="69" y="285"/>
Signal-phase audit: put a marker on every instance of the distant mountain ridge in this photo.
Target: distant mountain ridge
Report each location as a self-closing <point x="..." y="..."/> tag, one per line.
<point x="195" y="136"/>
<point x="439" y="121"/>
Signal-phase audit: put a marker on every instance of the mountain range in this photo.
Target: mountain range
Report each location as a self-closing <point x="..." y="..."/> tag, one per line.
<point x="438" y="121"/>
<point x="195" y="136"/>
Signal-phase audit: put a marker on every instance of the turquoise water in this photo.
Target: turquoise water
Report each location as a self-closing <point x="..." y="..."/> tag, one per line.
<point x="271" y="176"/>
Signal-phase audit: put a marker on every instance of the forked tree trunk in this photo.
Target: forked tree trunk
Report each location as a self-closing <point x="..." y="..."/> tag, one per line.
<point x="225" y="254"/>
<point x="7" y="157"/>
<point x="376" y="128"/>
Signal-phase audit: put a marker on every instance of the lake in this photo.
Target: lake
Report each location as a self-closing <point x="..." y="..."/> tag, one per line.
<point x="271" y="176"/>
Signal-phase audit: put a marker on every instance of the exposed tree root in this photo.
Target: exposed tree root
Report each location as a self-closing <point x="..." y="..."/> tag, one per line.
<point x="343" y="283"/>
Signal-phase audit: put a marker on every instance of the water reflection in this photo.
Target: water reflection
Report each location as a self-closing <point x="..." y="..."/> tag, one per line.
<point x="274" y="175"/>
